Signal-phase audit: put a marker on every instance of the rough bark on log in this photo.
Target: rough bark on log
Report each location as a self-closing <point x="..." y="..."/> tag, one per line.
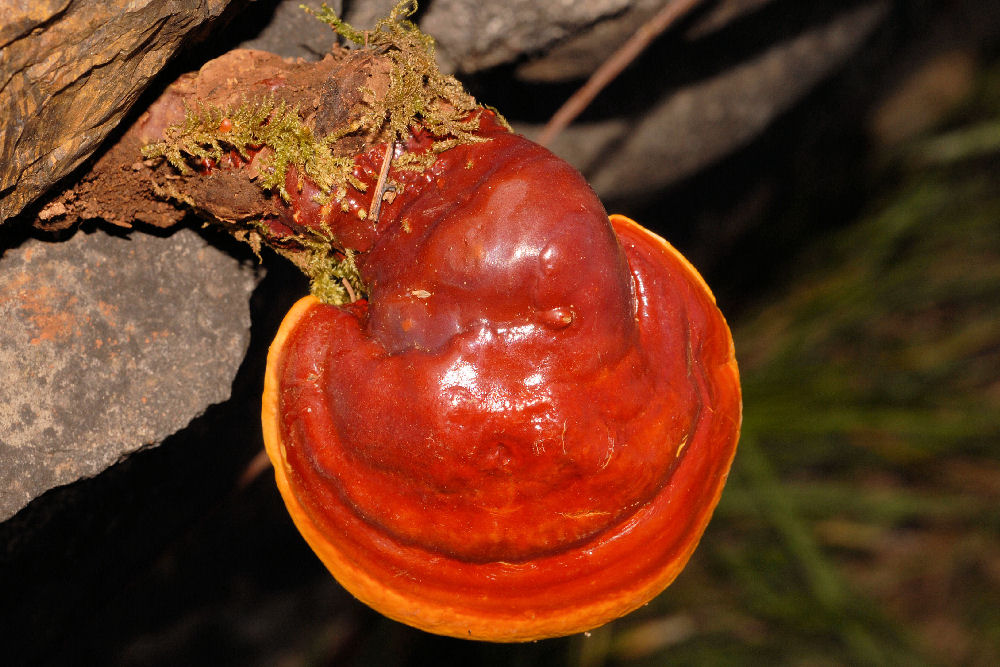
<point x="69" y="72"/>
<point x="121" y="187"/>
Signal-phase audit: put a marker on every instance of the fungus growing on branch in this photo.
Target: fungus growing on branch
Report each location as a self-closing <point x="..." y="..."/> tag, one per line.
<point x="502" y="415"/>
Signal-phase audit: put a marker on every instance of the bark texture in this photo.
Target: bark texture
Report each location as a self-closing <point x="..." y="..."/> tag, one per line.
<point x="69" y="71"/>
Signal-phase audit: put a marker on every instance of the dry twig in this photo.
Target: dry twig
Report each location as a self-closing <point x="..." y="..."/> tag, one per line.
<point x="613" y="66"/>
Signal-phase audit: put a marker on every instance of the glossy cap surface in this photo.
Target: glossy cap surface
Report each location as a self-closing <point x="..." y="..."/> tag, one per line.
<point x="545" y="463"/>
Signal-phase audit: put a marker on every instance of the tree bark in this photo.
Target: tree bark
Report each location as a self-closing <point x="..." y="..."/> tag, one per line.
<point x="69" y="71"/>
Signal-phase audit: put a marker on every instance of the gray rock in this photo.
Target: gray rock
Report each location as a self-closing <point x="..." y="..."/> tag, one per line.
<point x="109" y="345"/>
<point x="690" y="127"/>
<point x="292" y="32"/>
<point x="590" y="45"/>
<point x="476" y="35"/>
<point x="470" y="35"/>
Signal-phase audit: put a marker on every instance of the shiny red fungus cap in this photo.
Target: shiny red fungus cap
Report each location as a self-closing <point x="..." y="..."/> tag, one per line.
<point x="524" y="430"/>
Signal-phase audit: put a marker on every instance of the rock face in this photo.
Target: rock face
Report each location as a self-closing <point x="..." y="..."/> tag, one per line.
<point x="481" y="35"/>
<point x="110" y="344"/>
<point x="687" y="127"/>
<point x="69" y="71"/>
<point x="288" y="30"/>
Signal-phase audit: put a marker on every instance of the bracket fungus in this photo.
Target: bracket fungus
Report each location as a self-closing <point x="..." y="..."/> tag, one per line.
<point x="503" y="415"/>
<point x="523" y="430"/>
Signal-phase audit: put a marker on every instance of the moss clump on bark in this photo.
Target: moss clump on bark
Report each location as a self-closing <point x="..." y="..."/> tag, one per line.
<point x="272" y="136"/>
<point x="418" y="95"/>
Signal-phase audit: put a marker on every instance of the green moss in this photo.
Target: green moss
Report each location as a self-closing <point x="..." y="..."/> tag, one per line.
<point x="273" y="134"/>
<point x="418" y="95"/>
<point x="335" y="278"/>
<point x="418" y="91"/>
<point x="278" y="128"/>
<point x="250" y="127"/>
